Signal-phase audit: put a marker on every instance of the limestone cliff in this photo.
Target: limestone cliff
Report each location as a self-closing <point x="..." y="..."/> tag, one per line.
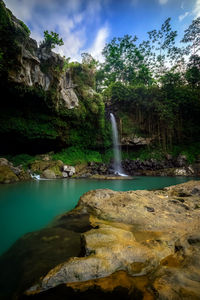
<point x="48" y="103"/>
<point x="36" y="66"/>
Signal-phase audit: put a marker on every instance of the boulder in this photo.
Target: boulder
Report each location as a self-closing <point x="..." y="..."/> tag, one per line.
<point x="64" y="174"/>
<point x="4" y="162"/>
<point x="7" y="175"/>
<point x="48" y="174"/>
<point x="181" y="160"/>
<point x="70" y="170"/>
<point x="151" y="236"/>
<point x="53" y="168"/>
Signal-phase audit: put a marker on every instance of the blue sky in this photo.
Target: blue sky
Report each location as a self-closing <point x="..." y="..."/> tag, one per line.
<point x="87" y="25"/>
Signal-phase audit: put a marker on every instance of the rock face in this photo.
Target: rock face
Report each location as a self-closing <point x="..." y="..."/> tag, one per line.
<point x="143" y="241"/>
<point x="133" y="140"/>
<point x="151" y="167"/>
<point x="169" y="167"/>
<point x="30" y="73"/>
<point x="34" y="66"/>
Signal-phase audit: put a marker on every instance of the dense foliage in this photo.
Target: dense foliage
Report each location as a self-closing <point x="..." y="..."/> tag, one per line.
<point x="51" y="40"/>
<point x="153" y="87"/>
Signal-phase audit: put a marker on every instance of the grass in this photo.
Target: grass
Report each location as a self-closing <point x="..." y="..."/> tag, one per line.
<point x="21" y="159"/>
<point x="191" y="151"/>
<point x="76" y="155"/>
<point x="73" y="156"/>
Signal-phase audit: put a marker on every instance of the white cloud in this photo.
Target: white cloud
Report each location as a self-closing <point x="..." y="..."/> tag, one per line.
<point x="181" y="17"/>
<point x="162" y="2"/>
<point x="99" y="43"/>
<point x="22" y="9"/>
<point x="70" y="18"/>
<point x="73" y="42"/>
<point x="196" y="10"/>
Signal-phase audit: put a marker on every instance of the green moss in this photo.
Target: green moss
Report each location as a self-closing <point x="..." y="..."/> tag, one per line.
<point x="38" y="166"/>
<point x="56" y="170"/>
<point x="25" y="27"/>
<point x="29" y="128"/>
<point x="5" y="16"/>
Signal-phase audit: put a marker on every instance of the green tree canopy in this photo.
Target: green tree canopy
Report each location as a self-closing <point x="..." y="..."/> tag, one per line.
<point x="51" y="40"/>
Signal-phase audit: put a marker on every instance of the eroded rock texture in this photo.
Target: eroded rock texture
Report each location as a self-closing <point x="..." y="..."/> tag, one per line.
<point x="140" y="245"/>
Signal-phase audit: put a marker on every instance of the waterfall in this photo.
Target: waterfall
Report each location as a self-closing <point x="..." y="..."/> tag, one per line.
<point x="116" y="148"/>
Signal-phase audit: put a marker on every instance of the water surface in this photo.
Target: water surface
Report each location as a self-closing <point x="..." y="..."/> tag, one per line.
<point x="26" y="207"/>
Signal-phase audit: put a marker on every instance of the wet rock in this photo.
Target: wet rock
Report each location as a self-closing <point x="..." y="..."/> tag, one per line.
<point x="38" y="252"/>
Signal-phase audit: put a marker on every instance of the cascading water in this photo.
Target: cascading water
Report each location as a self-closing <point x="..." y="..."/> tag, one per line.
<point x="116" y="149"/>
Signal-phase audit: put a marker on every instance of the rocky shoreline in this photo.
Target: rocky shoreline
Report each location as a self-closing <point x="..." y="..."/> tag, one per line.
<point x="133" y="245"/>
<point x="54" y="169"/>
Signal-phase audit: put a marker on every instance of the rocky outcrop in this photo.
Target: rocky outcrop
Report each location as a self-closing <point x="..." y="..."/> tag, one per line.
<point x="151" y="167"/>
<point x="144" y="243"/>
<point x="33" y="66"/>
<point x="133" y="140"/>
<point x="37" y="252"/>
<point x="11" y="174"/>
<point x="168" y="167"/>
<point x="51" y="169"/>
<point x="68" y="171"/>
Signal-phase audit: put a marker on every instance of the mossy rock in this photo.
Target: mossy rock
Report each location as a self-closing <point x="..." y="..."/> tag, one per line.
<point x="7" y="175"/>
<point x="57" y="170"/>
<point x="49" y="174"/>
<point x="24" y="176"/>
<point x="39" y="166"/>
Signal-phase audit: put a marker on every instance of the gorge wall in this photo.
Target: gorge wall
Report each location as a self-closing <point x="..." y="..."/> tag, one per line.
<point x="46" y="101"/>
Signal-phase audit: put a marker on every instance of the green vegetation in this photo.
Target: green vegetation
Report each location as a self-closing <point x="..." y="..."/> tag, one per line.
<point x="51" y="40"/>
<point x="25" y="27"/>
<point x="152" y="86"/>
<point x="74" y="156"/>
<point x="190" y="151"/>
<point x="21" y="159"/>
<point x="150" y="98"/>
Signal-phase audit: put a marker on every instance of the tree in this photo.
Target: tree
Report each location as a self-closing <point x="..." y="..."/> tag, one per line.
<point x="87" y="59"/>
<point x="51" y="40"/>
<point x="192" y="36"/>
<point x="193" y="71"/>
<point x="123" y="61"/>
<point x="160" y="47"/>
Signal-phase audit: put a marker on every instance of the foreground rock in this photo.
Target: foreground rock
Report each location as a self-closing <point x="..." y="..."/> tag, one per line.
<point x="134" y="245"/>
